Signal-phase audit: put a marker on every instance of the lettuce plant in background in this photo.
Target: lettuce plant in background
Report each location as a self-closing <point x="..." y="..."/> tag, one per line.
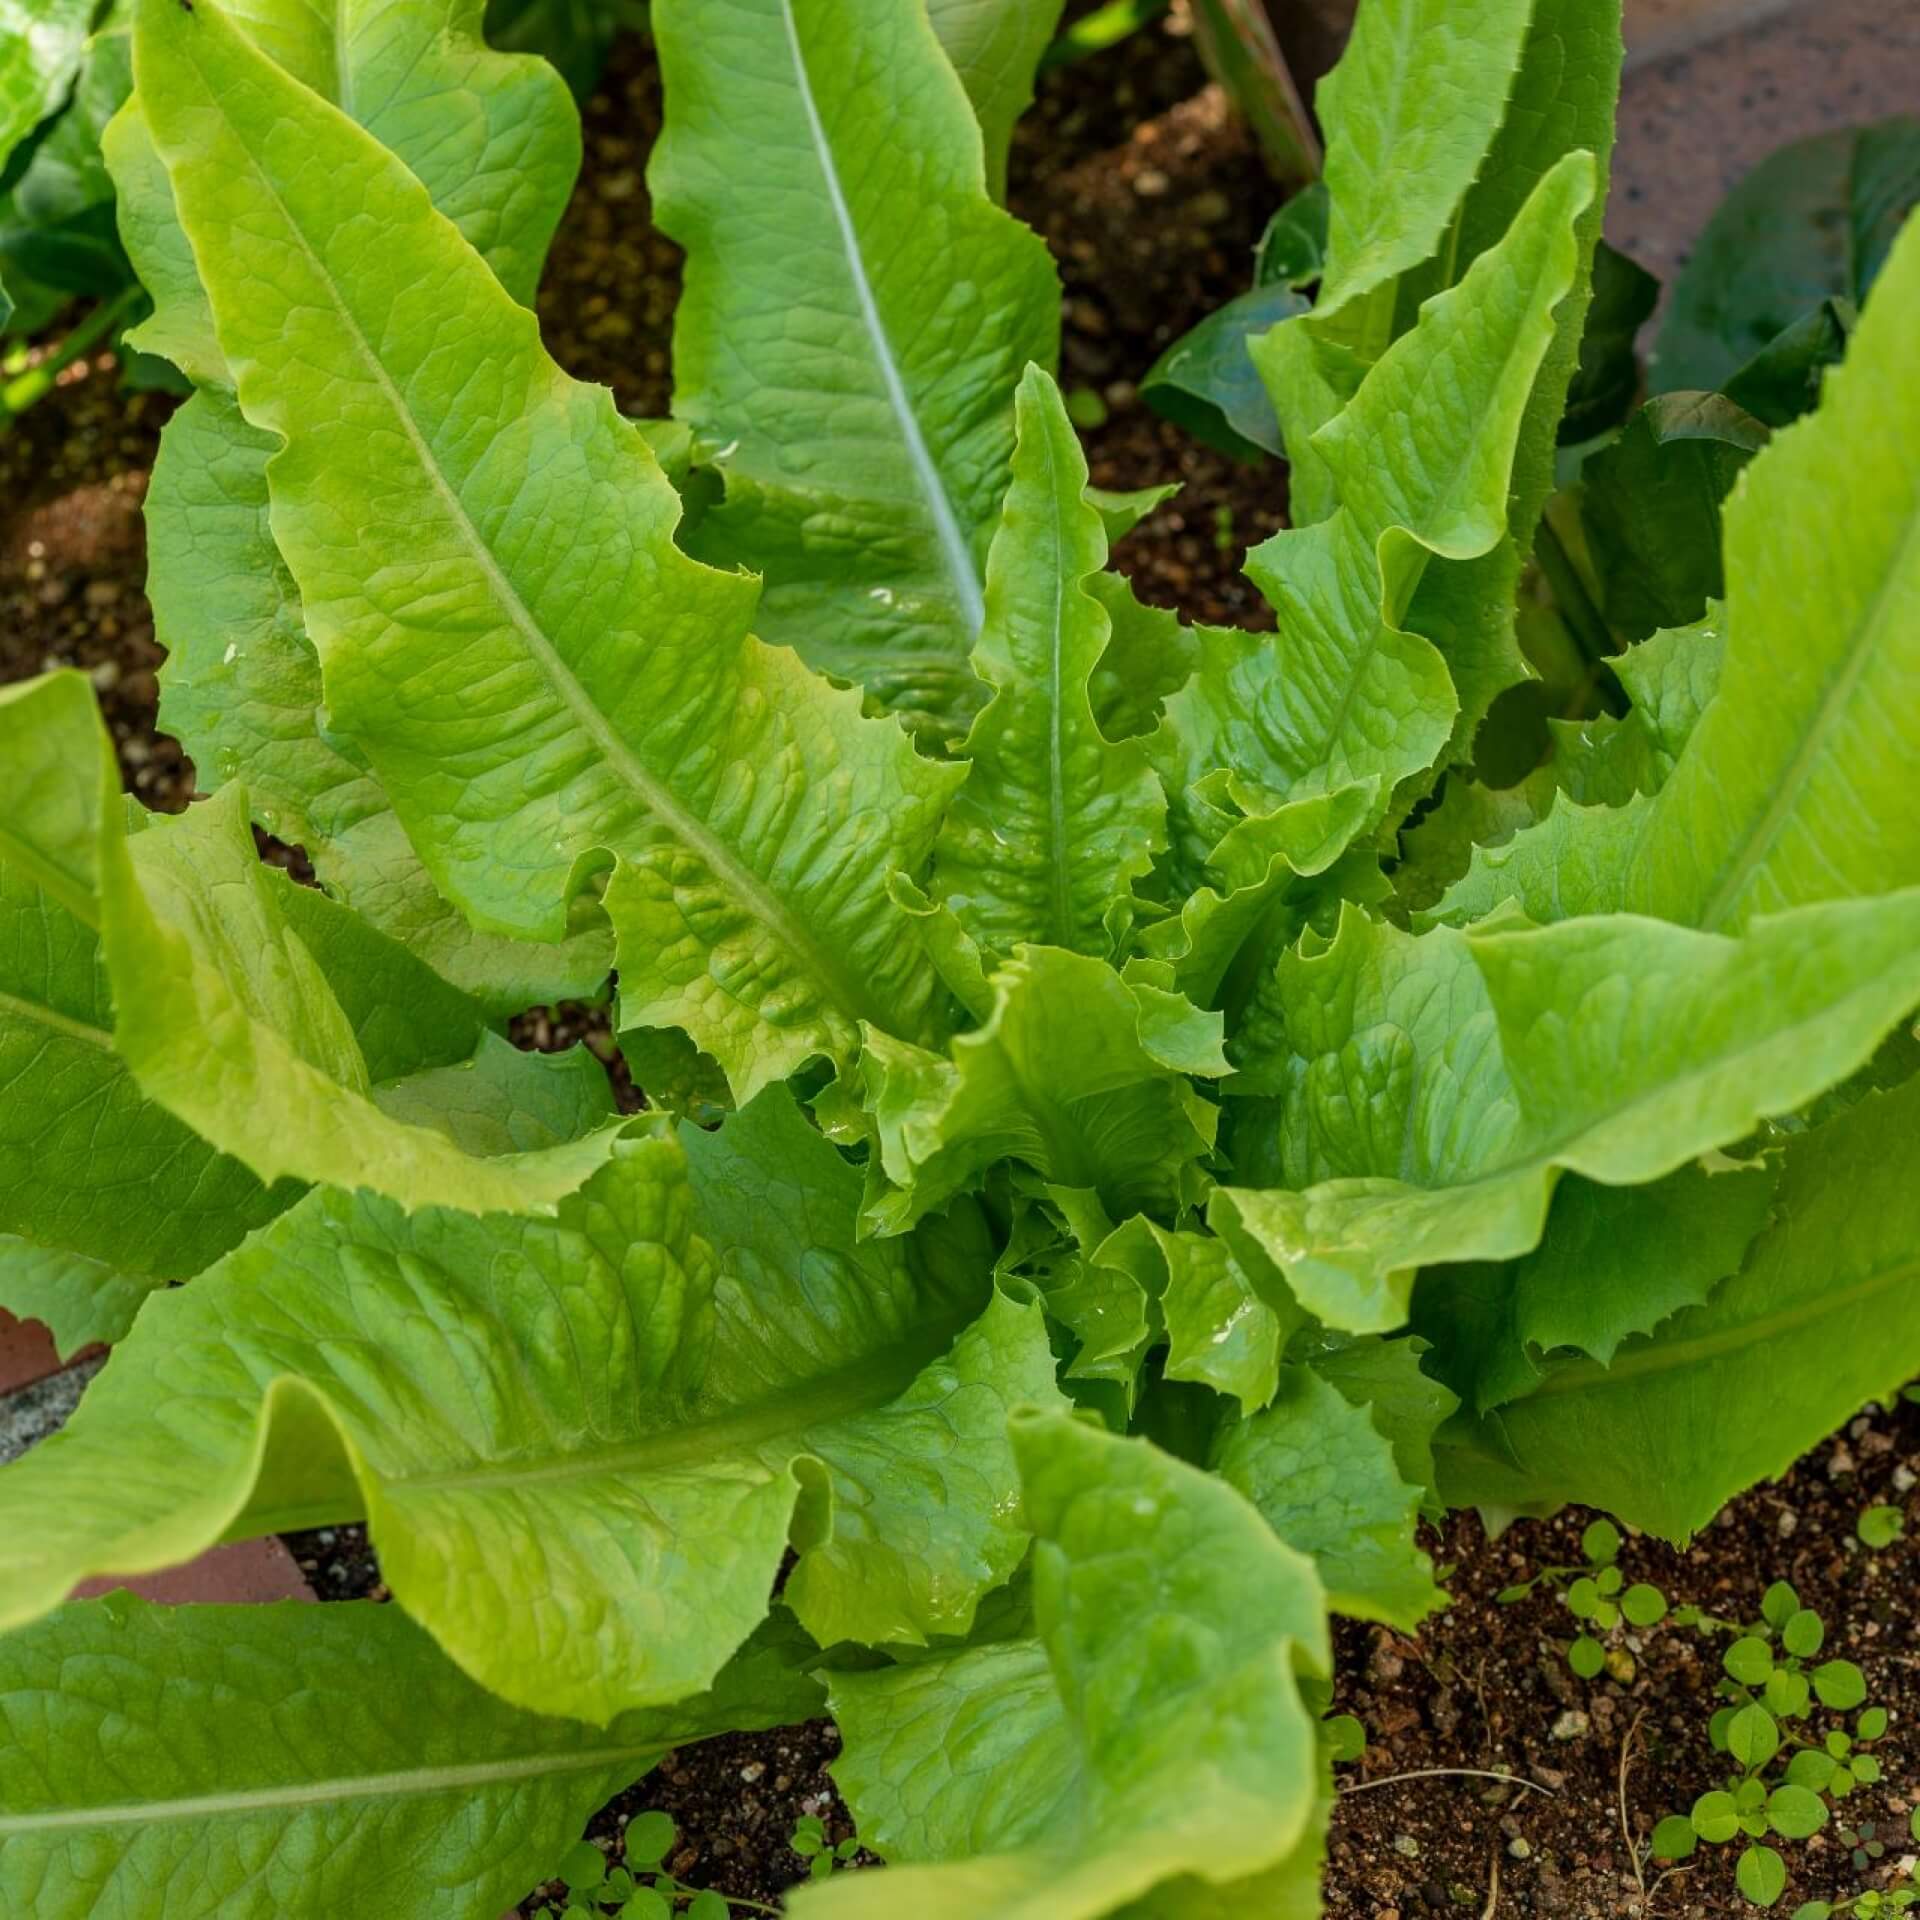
<point x="1163" y="1143"/>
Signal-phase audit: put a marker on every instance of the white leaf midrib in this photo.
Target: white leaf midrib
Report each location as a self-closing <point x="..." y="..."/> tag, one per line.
<point x="955" y="548"/>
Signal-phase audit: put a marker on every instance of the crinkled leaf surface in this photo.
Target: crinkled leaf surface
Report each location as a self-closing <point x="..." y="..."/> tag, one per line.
<point x="1055" y="822"/>
<point x="496" y="143"/>
<point x="243" y="1763"/>
<point x="1150" y="1729"/>
<point x="1823" y="1316"/>
<point x="1325" y="1480"/>
<point x="1099" y="1101"/>
<point x="995" y="47"/>
<point x="579" y="1444"/>
<point x="1614" y="1261"/>
<point x="849" y="351"/>
<point x="537" y="674"/>
<point x="1796" y="784"/>
<point x="1421" y="464"/>
<point x="1422" y="1092"/>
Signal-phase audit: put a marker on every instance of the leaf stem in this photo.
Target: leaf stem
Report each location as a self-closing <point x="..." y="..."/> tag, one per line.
<point x="28" y="388"/>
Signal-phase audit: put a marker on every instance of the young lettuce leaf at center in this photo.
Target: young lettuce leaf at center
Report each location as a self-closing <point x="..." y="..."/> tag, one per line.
<point x="353" y="1764"/>
<point x="581" y="1445"/>
<point x="1146" y="1743"/>
<point x="539" y="676"/>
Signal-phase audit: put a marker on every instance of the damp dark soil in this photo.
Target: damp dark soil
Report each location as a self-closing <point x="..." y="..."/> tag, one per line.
<point x="1151" y="199"/>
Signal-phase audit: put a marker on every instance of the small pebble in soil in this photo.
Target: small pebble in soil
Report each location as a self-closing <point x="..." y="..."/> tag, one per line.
<point x="1572" y="1725"/>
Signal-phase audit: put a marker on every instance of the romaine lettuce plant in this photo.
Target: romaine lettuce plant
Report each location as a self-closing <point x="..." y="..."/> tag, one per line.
<point x="1150" y="1174"/>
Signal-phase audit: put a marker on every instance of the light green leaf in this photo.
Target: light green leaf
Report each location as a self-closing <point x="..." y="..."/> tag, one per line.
<point x="500" y="1101"/>
<point x="91" y="1169"/>
<point x="40" y="49"/>
<point x="354" y="1767"/>
<point x="995" y="47"/>
<point x="228" y="1019"/>
<point x="1326" y="1482"/>
<point x="581" y="1445"/>
<point x="1055" y="822"/>
<point x="850" y="352"/>
<point x="1422" y="1093"/>
<point x="241" y="692"/>
<point x="79" y="1300"/>
<point x="1420" y="462"/>
<point x="753" y="812"/>
<point x="1613" y="1261"/>
<point x="1100" y="1101"/>
<point x="1823" y="1316"/>
<point x="493" y="137"/>
<point x="1151" y="1732"/>
<point x="1793" y="786"/>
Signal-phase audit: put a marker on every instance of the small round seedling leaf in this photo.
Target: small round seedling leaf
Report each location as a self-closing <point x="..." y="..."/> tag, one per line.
<point x="1810" y="1768"/>
<point x="1753" y="1737"/>
<point x="1609" y="1580"/>
<point x="1872" y="1725"/>
<point x="644" y="1903"/>
<point x="1346" y="1740"/>
<point x="1882" y="1526"/>
<point x="1601" y="1543"/>
<point x="1715" y="1818"/>
<point x="1795" y="1813"/>
<point x="583" y="1866"/>
<point x="619" y="1884"/>
<point x="1583" y="1599"/>
<point x="1587" y="1657"/>
<point x="649" y="1839"/>
<point x="1674" y="1838"/>
<point x="806" y="1845"/>
<point x="1842" y="1782"/>
<point x="1787" y="1694"/>
<point x="1644" y="1605"/>
<point x="1750" y="1796"/>
<point x="1780" y="1604"/>
<point x="1841" y="1685"/>
<point x="1813" y="1910"/>
<point x="1804" y="1635"/>
<point x="1717" y="1728"/>
<point x="1606" y="1616"/>
<point x="708" y="1905"/>
<point x="1509" y="1596"/>
<point x="1761" y="1876"/>
<point x="820" y="1866"/>
<point x="1839" y="1744"/>
<point x="1749" y="1661"/>
<point x="1865" y="1768"/>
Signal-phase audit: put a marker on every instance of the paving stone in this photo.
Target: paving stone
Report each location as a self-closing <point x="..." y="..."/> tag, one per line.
<point x="26" y="1352"/>
<point x="243" y="1571"/>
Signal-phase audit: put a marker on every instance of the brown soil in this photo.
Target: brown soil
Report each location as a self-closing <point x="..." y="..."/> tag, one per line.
<point x="1151" y="199"/>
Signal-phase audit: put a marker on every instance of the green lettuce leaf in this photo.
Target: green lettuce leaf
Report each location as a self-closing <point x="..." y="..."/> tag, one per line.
<point x="1055" y="822"/>
<point x="353" y="1767"/>
<point x="1793" y="787"/>
<point x="1099" y="1101"/>
<point x="78" y="1300"/>
<point x="753" y="813"/>
<point x="1614" y="1261"/>
<point x="40" y="52"/>
<point x="581" y="1445"/>
<point x="1421" y="1094"/>
<point x="1421" y="463"/>
<point x="1149" y="1735"/>
<point x="1325" y="1480"/>
<point x="847" y="351"/>
<point x="995" y="47"/>
<point x="1823" y="1315"/>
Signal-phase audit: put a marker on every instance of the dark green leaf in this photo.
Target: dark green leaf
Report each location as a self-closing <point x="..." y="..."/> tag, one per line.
<point x="1207" y="383"/>
<point x="1608" y="377"/>
<point x="1293" y="249"/>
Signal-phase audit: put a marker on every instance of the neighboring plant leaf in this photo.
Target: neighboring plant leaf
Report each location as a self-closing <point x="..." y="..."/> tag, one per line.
<point x="1207" y="382"/>
<point x="1823" y="1316"/>
<point x="1293" y="247"/>
<point x="1793" y="786"/>
<point x="77" y="1299"/>
<point x="1607" y="379"/>
<point x="1325" y="1481"/>
<point x="1054" y="1776"/>
<point x="580" y="1445"/>
<point x="1423" y="1092"/>
<point x="40" y="52"/>
<point x="355" y="1767"/>
<point x="1812" y="220"/>
<point x="1055" y="823"/>
<point x="864" y="472"/>
<point x="1614" y="1261"/>
<point x="995" y="47"/>
<point x="1782" y="381"/>
<point x="756" y="917"/>
<point x="1651" y="506"/>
